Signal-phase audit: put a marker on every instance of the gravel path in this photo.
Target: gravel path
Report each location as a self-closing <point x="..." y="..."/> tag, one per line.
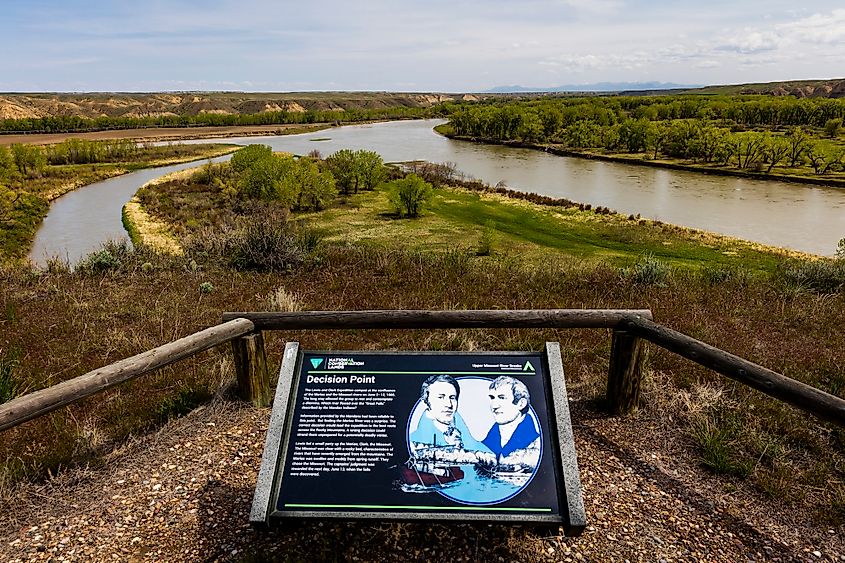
<point x="184" y="493"/>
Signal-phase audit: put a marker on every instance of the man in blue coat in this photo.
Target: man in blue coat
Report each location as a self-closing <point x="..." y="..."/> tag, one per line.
<point x="514" y="429"/>
<point x="440" y="424"/>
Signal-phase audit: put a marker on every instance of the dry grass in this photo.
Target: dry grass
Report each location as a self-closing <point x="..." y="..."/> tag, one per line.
<point x="68" y="323"/>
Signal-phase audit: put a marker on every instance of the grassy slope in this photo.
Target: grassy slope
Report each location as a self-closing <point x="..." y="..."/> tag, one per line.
<point x="457" y="217"/>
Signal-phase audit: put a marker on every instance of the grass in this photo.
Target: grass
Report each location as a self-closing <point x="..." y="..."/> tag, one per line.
<point x="67" y="323"/>
<point x="535" y="231"/>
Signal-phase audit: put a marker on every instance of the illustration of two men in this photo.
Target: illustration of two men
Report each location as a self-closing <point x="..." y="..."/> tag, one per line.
<point x="441" y="424"/>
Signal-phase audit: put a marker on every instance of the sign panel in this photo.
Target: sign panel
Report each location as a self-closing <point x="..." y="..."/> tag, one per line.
<point x="415" y="436"/>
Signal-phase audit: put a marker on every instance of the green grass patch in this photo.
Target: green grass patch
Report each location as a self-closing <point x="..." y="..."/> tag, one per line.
<point x="461" y="217"/>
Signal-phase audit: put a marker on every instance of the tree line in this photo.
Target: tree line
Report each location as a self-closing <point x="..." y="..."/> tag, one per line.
<point x="619" y="125"/>
<point x="72" y="123"/>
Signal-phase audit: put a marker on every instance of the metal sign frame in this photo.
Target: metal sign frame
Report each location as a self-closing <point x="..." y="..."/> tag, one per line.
<point x="567" y="480"/>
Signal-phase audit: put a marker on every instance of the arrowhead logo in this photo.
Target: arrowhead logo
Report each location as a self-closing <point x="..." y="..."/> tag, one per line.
<point x="527" y="367"/>
<point x="315" y="362"/>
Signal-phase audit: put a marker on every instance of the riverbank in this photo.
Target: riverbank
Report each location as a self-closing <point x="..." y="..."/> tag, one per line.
<point x="147" y="231"/>
<point x="644" y="160"/>
<point x="164" y="134"/>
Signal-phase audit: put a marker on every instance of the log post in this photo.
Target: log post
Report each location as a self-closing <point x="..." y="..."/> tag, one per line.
<point x="251" y="369"/>
<point x="625" y="373"/>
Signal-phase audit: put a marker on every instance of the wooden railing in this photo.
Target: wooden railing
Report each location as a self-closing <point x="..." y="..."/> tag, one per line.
<point x="630" y="329"/>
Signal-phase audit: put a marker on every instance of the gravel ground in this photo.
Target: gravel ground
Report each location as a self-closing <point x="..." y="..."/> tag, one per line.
<point x="184" y="493"/>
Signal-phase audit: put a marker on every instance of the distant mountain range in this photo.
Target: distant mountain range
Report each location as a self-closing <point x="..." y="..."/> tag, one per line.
<point x="595" y="87"/>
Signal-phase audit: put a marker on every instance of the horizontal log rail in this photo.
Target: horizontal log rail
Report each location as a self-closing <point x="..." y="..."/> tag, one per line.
<point x="630" y="327"/>
<point x="479" y="318"/>
<point x="41" y="402"/>
<point x="805" y="397"/>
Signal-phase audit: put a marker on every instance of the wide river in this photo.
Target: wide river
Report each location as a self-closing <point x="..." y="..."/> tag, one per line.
<point x="797" y="216"/>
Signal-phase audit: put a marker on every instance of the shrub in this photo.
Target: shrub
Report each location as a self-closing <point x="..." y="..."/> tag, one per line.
<point x="267" y="246"/>
<point x="410" y="194"/>
<point x="206" y="287"/>
<point x="648" y="270"/>
<point x="112" y="256"/>
<point x="833" y="127"/>
<point x="820" y="276"/>
<point x="716" y="274"/>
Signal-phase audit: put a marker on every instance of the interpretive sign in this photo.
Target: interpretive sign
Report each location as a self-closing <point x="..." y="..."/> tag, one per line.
<point x="421" y="435"/>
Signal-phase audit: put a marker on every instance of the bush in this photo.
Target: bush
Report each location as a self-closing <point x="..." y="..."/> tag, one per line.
<point x="410" y="194"/>
<point x="266" y="246"/>
<point x="113" y="256"/>
<point x="716" y="274"/>
<point x="648" y="270"/>
<point x="820" y="276"/>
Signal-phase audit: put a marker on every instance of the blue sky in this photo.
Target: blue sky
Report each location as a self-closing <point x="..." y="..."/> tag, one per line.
<point x="455" y="46"/>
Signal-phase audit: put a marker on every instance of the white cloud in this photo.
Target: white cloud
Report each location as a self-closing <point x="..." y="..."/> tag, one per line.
<point x="707" y="63"/>
<point x="750" y="41"/>
<point x="818" y="28"/>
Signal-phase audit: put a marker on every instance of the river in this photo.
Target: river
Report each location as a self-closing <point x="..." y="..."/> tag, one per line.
<point x="796" y="216"/>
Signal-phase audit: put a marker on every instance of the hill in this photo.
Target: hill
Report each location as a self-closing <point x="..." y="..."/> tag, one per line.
<point x="139" y="105"/>
<point x="834" y="88"/>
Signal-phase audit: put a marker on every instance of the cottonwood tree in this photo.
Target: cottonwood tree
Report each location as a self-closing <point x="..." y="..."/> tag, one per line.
<point x="244" y="158"/>
<point x="28" y="158"/>
<point x="799" y="144"/>
<point x="749" y="148"/>
<point x="410" y="194"/>
<point x="371" y="169"/>
<point x="314" y="189"/>
<point x="824" y="160"/>
<point x="345" y="168"/>
<point x="775" y="150"/>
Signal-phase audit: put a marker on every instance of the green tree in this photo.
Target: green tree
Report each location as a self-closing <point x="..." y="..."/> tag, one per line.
<point x="371" y="169"/>
<point x="7" y="162"/>
<point x="315" y="189"/>
<point x="344" y="166"/>
<point x="264" y="180"/>
<point x="824" y="159"/>
<point x="28" y="158"/>
<point x="833" y="127"/>
<point x="749" y="148"/>
<point x="775" y="150"/>
<point x="410" y="194"/>
<point x="249" y="155"/>
<point x="799" y="144"/>
<point x="8" y="202"/>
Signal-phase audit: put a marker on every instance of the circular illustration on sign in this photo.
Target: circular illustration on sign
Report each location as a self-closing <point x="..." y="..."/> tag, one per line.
<point x="472" y="439"/>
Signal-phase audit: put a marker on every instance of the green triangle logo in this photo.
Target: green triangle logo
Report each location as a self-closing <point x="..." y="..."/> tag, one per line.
<point x="528" y="367"/>
<point x="316" y="362"/>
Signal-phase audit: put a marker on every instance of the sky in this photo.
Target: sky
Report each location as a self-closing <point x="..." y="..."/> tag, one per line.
<point x="418" y="46"/>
